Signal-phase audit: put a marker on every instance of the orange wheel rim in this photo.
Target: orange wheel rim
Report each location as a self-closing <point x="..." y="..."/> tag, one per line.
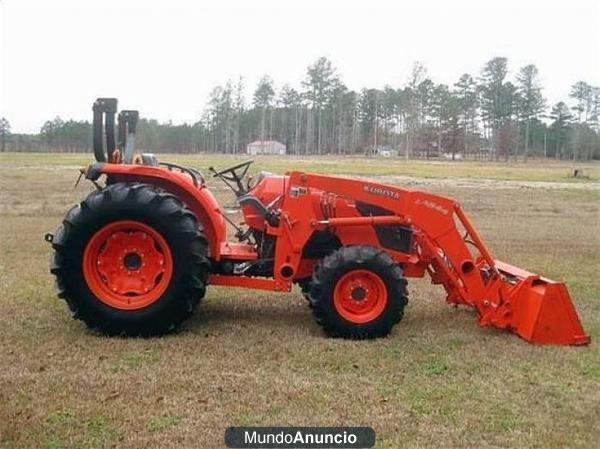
<point x="127" y="265"/>
<point x="360" y="296"/>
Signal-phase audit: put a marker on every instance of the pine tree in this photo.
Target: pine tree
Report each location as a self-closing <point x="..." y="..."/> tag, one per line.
<point x="4" y="132"/>
<point x="531" y="103"/>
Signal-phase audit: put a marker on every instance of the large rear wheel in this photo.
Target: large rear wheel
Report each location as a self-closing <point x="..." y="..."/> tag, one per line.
<point x="131" y="260"/>
<point x="358" y="292"/>
<point x="305" y="286"/>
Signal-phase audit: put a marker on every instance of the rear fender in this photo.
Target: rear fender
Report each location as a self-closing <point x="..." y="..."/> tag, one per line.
<point x="196" y="197"/>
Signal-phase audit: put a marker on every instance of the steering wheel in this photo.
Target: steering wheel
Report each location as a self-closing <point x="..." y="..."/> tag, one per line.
<point x="245" y="165"/>
<point x="235" y="174"/>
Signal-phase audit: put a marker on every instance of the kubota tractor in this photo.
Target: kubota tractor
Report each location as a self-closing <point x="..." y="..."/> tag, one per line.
<point x="136" y="255"/>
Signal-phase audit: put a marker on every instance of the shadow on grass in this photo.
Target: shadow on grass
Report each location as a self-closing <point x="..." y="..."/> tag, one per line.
<point x="252" y="314"/>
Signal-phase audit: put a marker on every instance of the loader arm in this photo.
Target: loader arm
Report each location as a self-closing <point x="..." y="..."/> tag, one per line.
<point x="449" y="248"/>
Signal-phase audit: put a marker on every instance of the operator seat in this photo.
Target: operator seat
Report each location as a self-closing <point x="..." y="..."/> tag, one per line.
<point x="250" y="200"/>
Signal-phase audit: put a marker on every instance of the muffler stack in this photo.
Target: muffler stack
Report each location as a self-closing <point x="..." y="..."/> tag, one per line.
<point x="107" y="146"/>
<point x="104" y="125"/>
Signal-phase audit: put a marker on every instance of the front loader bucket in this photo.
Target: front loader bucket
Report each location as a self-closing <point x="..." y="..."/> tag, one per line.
<point x="539" y="310"/>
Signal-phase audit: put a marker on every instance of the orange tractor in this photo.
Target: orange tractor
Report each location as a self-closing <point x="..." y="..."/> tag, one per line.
<point x="136" y="255"/>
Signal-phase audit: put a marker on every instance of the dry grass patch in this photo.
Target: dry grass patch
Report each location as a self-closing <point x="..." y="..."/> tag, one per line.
<point x="257" y="358"/>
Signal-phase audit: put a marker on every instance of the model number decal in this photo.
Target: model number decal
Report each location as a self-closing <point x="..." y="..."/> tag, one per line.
<point x="431" y="205"/>
<point x="374" y="190"/>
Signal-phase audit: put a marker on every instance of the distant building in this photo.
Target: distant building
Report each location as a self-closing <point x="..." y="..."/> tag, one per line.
<point x="265" y="147"/>
<point x="380" y="151"/>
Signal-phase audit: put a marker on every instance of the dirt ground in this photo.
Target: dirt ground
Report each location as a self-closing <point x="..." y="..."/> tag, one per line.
<point x="254" y="358"/>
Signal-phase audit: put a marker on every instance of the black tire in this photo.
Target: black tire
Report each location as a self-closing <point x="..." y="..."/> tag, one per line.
<point x="164" y="213"/>
<point x="329" y="271"/>
<point x="305" y="286"/>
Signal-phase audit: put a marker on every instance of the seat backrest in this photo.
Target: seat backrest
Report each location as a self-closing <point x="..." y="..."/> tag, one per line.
<point x="254" y="203"/>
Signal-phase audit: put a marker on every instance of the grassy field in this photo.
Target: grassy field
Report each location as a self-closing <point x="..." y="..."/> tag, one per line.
<point x="550" y="171"/>
<point x="253" y="358"/>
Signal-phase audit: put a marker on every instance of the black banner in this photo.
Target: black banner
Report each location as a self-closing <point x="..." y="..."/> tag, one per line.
<point x="300" y="437"/>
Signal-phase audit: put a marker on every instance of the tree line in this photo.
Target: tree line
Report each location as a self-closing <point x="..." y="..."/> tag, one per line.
<point x="487" y="115"/>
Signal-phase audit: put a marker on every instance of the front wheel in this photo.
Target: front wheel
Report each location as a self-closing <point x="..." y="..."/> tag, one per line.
<point x="131" y="260"/>
<point x="358" y="292"/>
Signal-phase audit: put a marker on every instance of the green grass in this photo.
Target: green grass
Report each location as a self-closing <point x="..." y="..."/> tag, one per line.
<point x="162" y="423"/>
<point x="256" y="358"/>
<point x="549" y="171"/>
<point x="435" y="367"/>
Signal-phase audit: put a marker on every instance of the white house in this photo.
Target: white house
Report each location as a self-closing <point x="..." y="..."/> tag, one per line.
<point x="265" y="147"/>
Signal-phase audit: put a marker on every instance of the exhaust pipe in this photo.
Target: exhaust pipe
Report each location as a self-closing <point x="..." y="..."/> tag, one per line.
<point x="127" y="122"/>
<point x="104" y="124"/>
